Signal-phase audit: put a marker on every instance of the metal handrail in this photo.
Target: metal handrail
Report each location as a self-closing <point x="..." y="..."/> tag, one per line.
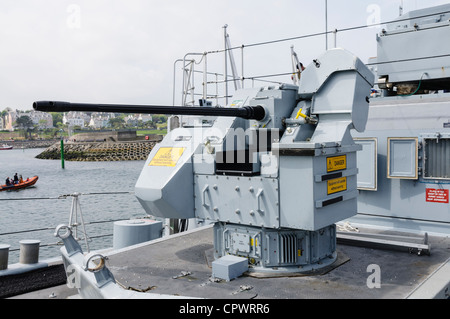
<point x="73" y="224"/>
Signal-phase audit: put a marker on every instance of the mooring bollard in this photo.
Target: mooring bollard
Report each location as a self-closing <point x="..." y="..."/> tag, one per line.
<point x="29" y="251"/>
<point x="4" y="253"/>
<point x="136" y="231"/>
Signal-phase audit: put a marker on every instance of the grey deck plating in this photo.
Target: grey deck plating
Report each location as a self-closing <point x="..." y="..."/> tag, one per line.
<point x="180" y="266"/>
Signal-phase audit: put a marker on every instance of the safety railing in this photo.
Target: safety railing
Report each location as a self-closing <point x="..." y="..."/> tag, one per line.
<point x="192" y="92"/>
<point x="76" y="223"/>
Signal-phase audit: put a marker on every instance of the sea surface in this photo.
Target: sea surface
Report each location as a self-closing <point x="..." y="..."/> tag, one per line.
<point x="107" y="190"/>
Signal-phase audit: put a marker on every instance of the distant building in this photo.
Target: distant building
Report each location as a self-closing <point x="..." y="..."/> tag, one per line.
<point x="76" y="119"/>
<point x="145" y="118"/>
<point x="42" y="119"/>
<point x="9" y="120"/>
<point x="100" y="120"/>
<point x="133" y="119"/>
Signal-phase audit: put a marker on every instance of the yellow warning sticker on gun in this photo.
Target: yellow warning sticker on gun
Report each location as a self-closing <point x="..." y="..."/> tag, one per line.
<point x="167" y="156"/>
<point x="337" y="185"/>
<point x="336" y="163"/>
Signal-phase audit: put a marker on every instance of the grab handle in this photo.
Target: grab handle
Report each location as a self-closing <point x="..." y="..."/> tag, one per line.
<point x="204" y="191"/>
<point x="258" y="198"/>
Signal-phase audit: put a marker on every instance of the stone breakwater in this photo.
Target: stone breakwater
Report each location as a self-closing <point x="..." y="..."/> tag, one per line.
<point x="99" y="151"/>
<point x="24" y="144"/>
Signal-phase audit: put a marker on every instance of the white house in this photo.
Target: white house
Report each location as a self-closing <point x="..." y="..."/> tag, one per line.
<point x="131" y="120"/>
<point x="100" y="120"/>
<point x="42" y="119"/>
<point x="76" y="119"/>
<point x="145" y="118"/>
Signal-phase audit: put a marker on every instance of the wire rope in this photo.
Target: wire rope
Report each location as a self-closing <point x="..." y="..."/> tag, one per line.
<point x="328" y="32"/>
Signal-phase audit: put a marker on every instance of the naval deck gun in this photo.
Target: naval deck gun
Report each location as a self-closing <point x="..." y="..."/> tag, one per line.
<point x="249" y="113"/>
<point x="274" y="171"/>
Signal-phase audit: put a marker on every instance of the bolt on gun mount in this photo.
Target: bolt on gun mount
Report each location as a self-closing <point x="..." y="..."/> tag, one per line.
<point x="273" y="182"/>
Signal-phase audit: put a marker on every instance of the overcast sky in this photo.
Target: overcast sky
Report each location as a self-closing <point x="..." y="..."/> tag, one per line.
<point x="116" y="51"/>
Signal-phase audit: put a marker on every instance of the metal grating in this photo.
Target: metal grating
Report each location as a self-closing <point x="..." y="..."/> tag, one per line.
<point x="437" y="158"/>
<point x="288" y="251"/>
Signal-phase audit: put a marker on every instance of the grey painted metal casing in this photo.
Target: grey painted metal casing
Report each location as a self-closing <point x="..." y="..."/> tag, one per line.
<point x="410" y="179"/>
<point x="414" y="48"/>
<point x="313" y="192"/>
<point x="297" y="188"/>
<point x="325" y="198"/>
<point x="135" y="231"/>
<point x="266" y="248"/>
<point x="165" y="187"/>
<point x="229" y="267"/>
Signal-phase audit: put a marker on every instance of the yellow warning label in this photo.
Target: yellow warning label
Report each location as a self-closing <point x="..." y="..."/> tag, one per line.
<point x="167" y="156"/>
<point x="336" y="163"/>
<point x="337" y="185"/>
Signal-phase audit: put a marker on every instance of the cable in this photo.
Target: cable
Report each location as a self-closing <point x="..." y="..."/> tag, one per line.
<point x="257" y="78"/>
<point x="398" y="20"/>
<point x="53" y="228"/>
<point x="411" y="59"/>
<point x="418" y="87"/>
<point x="328" y="32"/>
<point x="35" y="198"/>
<point x="65" y="196"/>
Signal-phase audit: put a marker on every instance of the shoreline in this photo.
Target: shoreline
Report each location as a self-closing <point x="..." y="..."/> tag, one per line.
<point x="99" y="151"/>
<point x="29" y="144"/>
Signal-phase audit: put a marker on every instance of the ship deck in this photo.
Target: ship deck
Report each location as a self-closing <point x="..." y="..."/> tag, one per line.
<point x="181" y="266"/>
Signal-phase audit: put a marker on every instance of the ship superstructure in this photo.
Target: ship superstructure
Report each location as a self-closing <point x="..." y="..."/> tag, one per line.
<point x="279" y="169"/>
<point x="404" y="168"/>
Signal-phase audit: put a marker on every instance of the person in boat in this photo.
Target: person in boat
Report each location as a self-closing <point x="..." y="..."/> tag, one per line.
<point x="16" y="179"/>
<point x="8" y="182"/>
<point x="20" y="179"/>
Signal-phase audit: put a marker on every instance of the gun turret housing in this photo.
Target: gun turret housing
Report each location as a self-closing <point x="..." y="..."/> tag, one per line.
<point x="275" y="170"/>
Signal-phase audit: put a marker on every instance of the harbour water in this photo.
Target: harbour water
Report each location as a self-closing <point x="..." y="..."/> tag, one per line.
<point x="108" y="195"/>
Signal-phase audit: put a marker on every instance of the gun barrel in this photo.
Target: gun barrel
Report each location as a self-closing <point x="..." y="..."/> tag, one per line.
<point x="248" y="112"/>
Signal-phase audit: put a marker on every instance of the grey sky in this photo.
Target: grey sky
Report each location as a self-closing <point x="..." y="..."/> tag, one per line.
<point x="116" y="51"/>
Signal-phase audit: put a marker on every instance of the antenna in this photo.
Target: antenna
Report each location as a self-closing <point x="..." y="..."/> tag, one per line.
<point x="401" y="8"/>
<point x="229" y="54"/>
<point x="326" y="24"/>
